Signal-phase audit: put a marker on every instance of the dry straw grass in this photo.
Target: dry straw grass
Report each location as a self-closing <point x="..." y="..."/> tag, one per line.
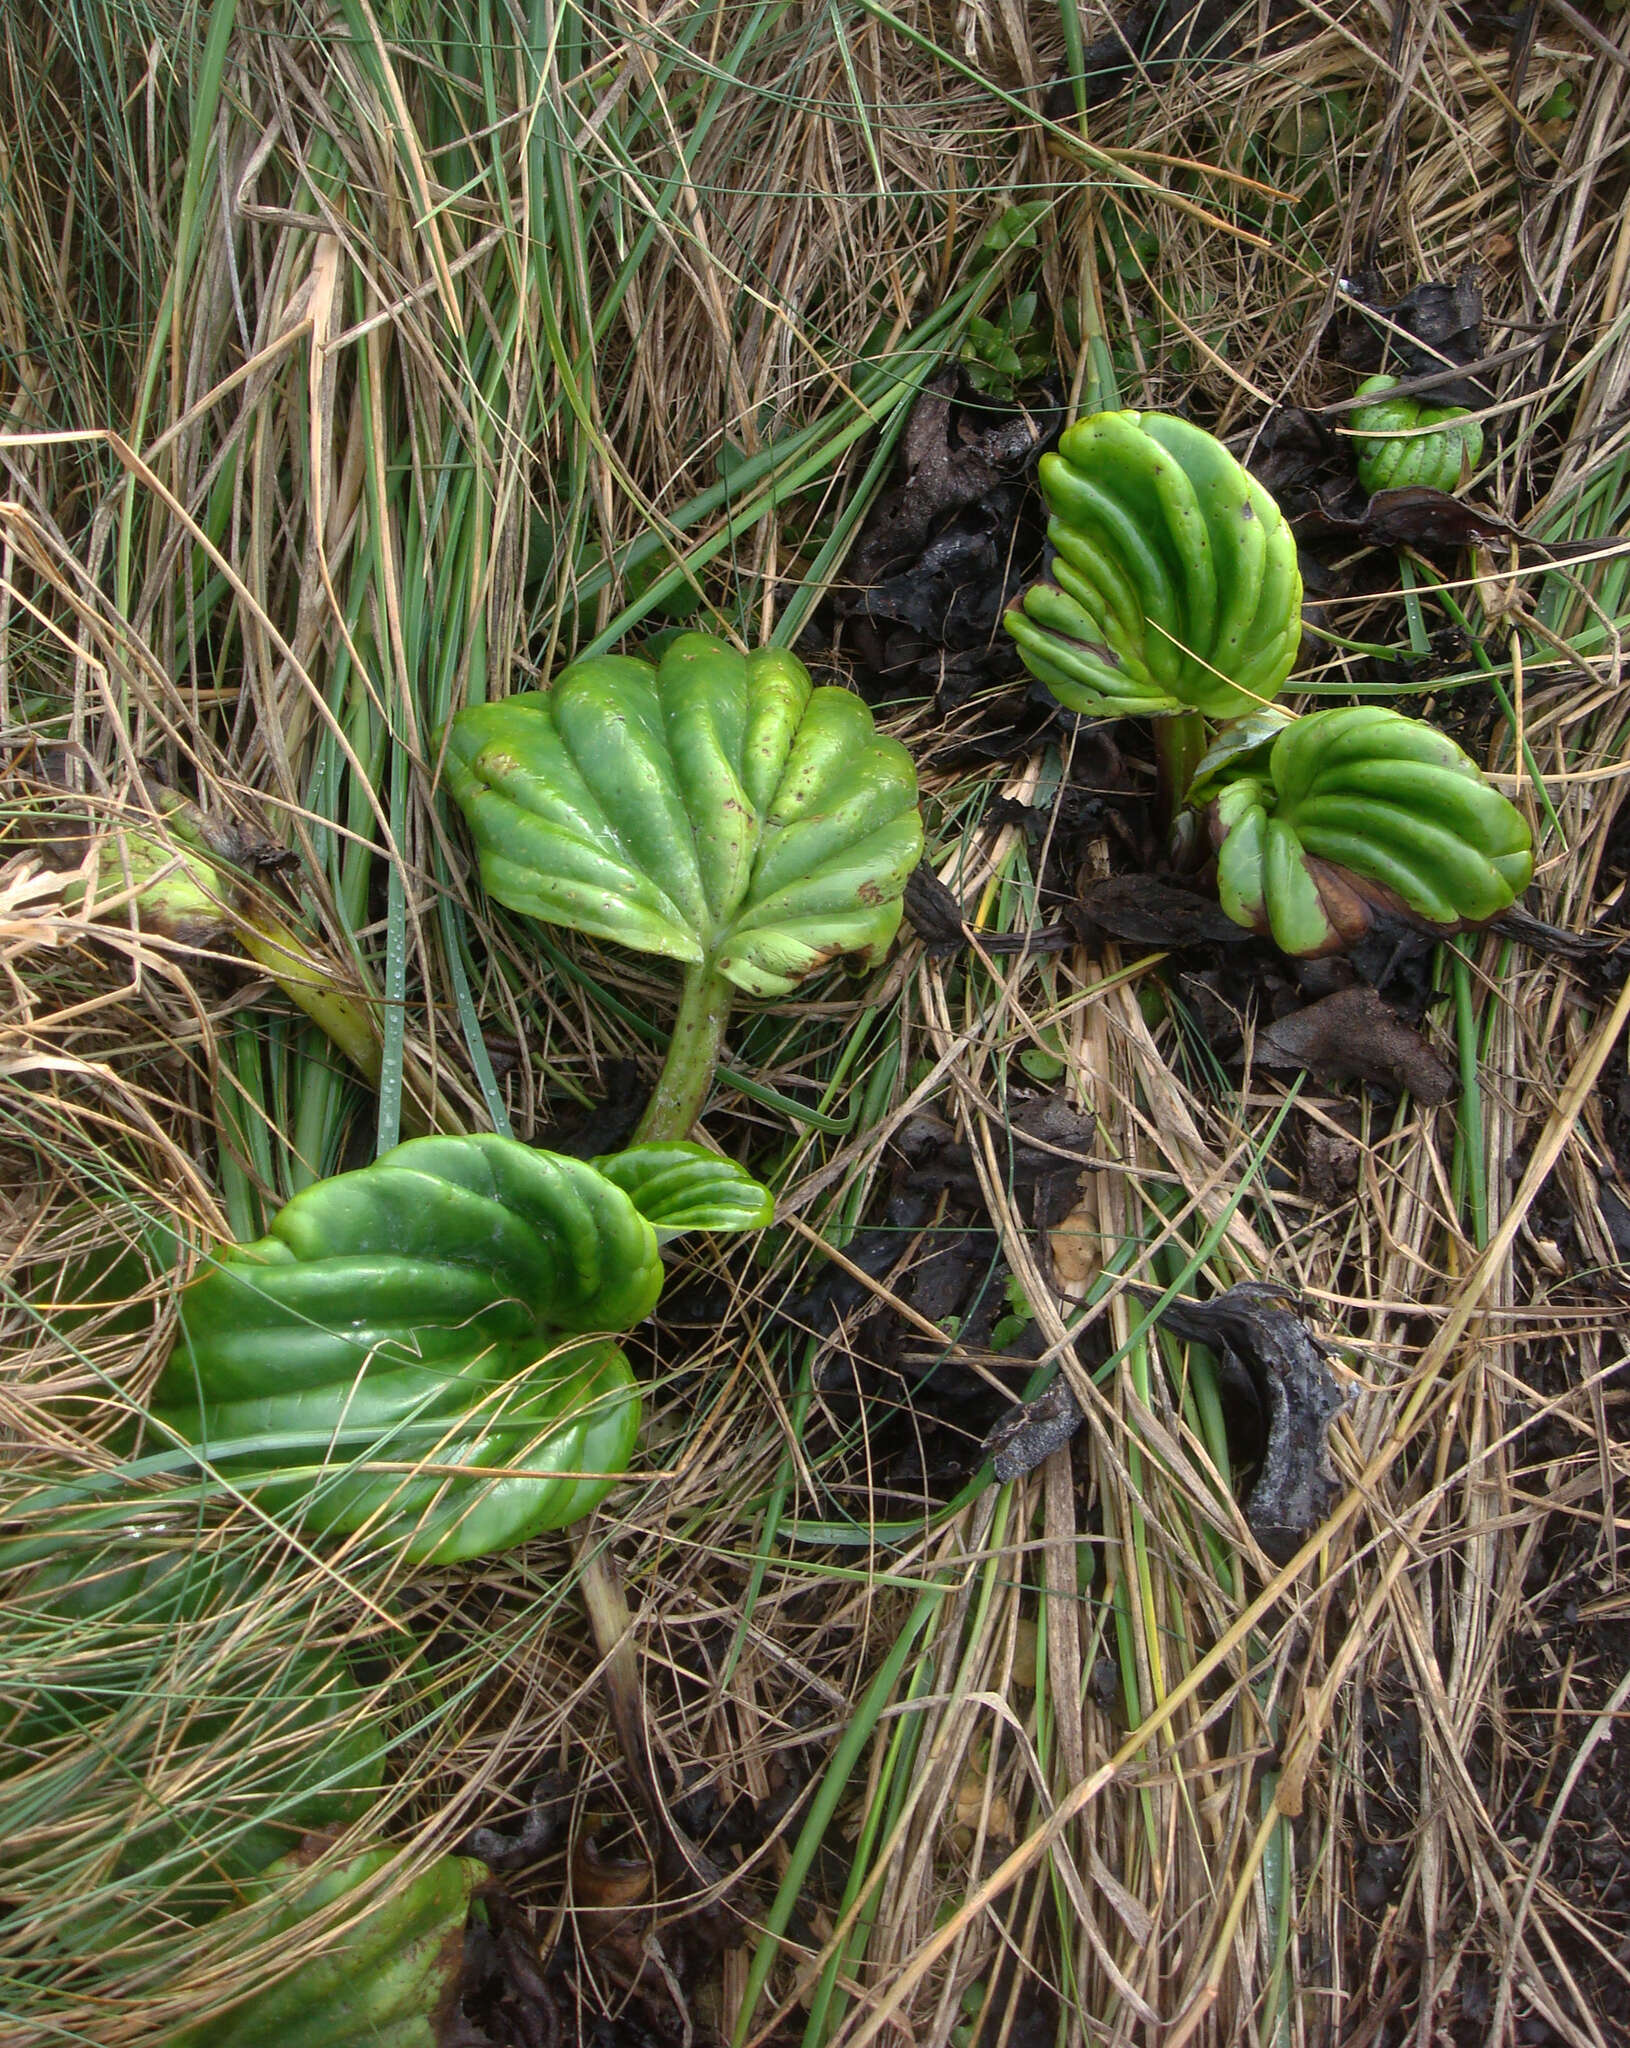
<point x="350" y="357"/>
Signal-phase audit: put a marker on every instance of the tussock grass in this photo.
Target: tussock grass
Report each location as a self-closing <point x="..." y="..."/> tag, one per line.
<point x="358" y="362"/>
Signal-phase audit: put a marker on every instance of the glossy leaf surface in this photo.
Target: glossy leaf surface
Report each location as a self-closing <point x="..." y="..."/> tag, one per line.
<point x="1407" y="443"/>
<point x="405" y="1327"/>
<point x="1175" y="584"/>
<point x="718" y="810"/>
<point x="1359" y="809"/>
<point x="678" y="1186"/>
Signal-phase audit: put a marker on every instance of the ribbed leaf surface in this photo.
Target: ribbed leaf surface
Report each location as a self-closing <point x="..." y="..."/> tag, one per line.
<point x="427" y="1310"/>
<point x="1175" y="583"/>
<point x="1356" y="808"/>
<point x="718" y="808"/>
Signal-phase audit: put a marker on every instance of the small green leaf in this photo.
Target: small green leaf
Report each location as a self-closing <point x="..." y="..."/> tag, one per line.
<point x="1014" y="228"/>
<point x="1241" y="747"/>
<point x="680" y="1186"/>
<point x="1559" y="106"/>
<point x="1039" y="1065"/>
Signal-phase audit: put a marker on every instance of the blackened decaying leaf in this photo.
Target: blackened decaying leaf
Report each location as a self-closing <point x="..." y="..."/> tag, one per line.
<point x="1048" y="1146"/>
<point x="1104" y="796"/>
<point x="1615" y="1210"/>
<point x="1045" y="1138"/>
<point x="1149" y="912"/>
<point x="933" y="913"/>
<point x="527" y="1837"/>
<point x="504" y="1995"/>
<point x="1540" y="937"/>
<point x="838" y="1296"/>
<point x="1215" y="1007"/>
<point x="944" y="465"/>
<point x="939" y="1283"/>
<point x="1412" y="518"/>
<point x="993" y="709"/>
<point x="1353" y="1036"/>
<point x="953" y="592"/>
<point x="946" y="548"/>
<point x="605" y="1126"/>
<point x="1395" y="957"/>
<point x="1264" y="1347"/>
<point x="1486" y="23"/>
<point x="1433" y="325"/>
<point x="1417" y="517"/>
<point x="1293" y="455"/>
<point x="928" y="1396"/>
<point x="1420" y="518"/>
<point x="1033" y="1430"/>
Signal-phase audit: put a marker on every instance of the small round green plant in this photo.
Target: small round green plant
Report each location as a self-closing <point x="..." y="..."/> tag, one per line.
<point x="1400" y="443"/>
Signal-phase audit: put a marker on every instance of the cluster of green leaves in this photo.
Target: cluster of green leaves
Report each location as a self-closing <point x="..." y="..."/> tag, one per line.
<point x="1012" y="347"/>
<point x="1175" y="593"/>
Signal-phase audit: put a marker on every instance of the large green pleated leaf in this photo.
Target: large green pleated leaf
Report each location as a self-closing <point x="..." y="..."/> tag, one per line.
<point x="1357" y="809"/>
<point x="718" y="810"/>
<point x="408" y="1351"/>
<point x="1174" y="584"/>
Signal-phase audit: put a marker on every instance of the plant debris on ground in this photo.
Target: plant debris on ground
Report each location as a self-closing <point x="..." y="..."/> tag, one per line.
<point x="995" y="1672"/>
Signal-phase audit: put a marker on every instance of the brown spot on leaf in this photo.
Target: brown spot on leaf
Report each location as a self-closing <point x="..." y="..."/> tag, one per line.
<point x="311" y="1848"/>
